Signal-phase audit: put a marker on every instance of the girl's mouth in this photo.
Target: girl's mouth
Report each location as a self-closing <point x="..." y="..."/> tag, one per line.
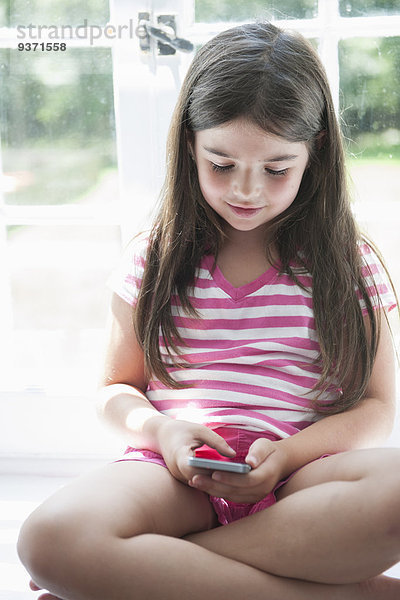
<point x="244" y="212"/>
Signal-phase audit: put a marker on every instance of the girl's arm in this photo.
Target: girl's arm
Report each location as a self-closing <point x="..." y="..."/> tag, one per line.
<point x="123" y="403"/>
<point x="368" y="424"/>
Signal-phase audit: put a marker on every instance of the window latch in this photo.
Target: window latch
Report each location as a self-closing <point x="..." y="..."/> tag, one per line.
<point x="164" y="33"/>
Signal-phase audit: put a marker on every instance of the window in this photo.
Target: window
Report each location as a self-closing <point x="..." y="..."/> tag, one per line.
<point x="369" y="67"/>
<point x="59" y="175"/>
<point x="68" y="204"/>
<point x="207" y="11"/>
<point x="59" y="235"/>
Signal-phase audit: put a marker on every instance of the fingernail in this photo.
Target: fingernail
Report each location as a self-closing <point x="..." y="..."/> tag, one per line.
<point x="252" y="461"/>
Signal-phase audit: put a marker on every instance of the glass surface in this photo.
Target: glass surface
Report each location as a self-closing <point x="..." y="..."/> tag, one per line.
<point x="370" y="108"/>
<point x="368" y="8"/>
<point x="60" y="303"/>
<point x="370" y="96"/>
<point x="57" y="124"/>
<point x="208" y="11"/>
<point x="48" y="12"/>
<point x="58" y="274"/>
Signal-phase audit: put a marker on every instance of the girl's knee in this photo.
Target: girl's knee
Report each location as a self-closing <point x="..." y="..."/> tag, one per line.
<point x="35" y="540"/>
<point x="48" y="540"/>
<point x="383" y="473"/>
<point x="383" y="491"/>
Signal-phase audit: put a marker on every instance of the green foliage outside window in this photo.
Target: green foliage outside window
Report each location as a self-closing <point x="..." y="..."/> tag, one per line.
<point x="57" y="122"/>
<point x="48" y="12"/>
<point x="371" y="8"/>
<point x="370" y="96"/>
<point x="209" y="11"/>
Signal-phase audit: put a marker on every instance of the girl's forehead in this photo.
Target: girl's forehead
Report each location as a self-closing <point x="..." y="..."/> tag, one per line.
<point x="241" y="136"/>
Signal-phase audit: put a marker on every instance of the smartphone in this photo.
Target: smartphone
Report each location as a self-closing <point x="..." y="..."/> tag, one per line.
<point x="218" y="465"/>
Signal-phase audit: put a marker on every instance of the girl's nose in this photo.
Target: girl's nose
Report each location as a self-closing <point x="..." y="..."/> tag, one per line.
<point x="247" y="186"/>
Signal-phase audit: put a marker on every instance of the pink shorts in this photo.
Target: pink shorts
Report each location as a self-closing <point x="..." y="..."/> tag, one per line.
<point x="240" y="440"/>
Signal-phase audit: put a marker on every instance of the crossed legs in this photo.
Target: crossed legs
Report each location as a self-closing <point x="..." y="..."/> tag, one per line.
<point x="118" y="534"/>
<point x="336" y="521"/>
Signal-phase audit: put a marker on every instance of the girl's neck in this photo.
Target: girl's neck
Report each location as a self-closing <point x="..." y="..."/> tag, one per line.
<point x="253" y="243"/>
<point x="243" y="258"/>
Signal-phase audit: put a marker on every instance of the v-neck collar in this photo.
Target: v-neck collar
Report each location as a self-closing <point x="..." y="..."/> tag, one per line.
<point x="238" y="293"/>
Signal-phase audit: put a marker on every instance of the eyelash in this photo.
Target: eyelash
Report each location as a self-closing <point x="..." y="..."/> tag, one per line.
<point x="220" y="169"/>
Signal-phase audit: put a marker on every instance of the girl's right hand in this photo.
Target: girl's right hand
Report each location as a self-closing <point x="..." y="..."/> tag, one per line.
<point x="179" y="439"/>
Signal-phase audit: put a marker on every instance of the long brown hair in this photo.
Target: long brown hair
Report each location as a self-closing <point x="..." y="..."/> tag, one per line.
<point x="275" y="79"/>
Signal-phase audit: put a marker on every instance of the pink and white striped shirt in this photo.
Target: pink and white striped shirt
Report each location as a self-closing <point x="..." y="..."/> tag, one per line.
<point x="250" y="356"/>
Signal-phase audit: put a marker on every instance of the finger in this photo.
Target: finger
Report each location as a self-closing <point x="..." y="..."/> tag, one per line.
<point x="259" y="481"/>
<point x="259" y="451"/>
<point x="212" y="439"/>
<point x="213" y="488"/>
<point x="207" y="484"/>
<point x="235" y="480"/>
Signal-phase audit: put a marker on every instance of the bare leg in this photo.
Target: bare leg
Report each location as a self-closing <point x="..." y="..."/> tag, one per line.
<point x="117" y="502"/>
<point x="100" y="539"/>
<point x="337" y="521"/>
<point x="151" y="567"/>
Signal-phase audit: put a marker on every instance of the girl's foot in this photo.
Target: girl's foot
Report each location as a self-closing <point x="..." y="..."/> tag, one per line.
<point x="45" y="596"/>
<point x="381" y="587"/>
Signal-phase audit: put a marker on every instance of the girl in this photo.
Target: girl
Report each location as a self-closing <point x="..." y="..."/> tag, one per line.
<point x="258" y="334"/>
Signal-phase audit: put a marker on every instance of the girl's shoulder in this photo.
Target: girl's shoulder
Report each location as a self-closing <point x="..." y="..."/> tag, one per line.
<point x="372" y="263"/>
<point x="126" y="278"/>
<point x="365" y="249"/>
<point x="376" y="277"/>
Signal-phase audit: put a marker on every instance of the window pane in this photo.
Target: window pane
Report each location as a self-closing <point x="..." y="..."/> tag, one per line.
<point x="370" y="107"/>
<point x="60" y="300"/>
<point x="48" y="12"/>
<point x="370" y="102"/>
<point x="208" y="11"/>
<point x="368" y="8"/>
<point x="57" y="124"/>
<point x="58" y="274"/>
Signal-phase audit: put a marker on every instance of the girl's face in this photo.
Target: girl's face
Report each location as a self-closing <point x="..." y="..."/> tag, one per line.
<point x="247" y="175"/>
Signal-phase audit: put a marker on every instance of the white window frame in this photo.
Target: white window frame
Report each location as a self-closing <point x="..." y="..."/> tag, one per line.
<point x="28" y="406"/>
<point x="145" y="91"/>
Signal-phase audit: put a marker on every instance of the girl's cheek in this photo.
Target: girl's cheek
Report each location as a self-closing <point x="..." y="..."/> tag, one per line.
<point x="285" y="187"/>
<point x="213" y="184"/>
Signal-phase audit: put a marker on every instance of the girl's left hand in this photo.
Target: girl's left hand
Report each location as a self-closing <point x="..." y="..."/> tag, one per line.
<point x="269" y="462"/>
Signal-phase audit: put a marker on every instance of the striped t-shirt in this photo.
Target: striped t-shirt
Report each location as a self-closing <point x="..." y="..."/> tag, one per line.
<point x="251" y="354"/>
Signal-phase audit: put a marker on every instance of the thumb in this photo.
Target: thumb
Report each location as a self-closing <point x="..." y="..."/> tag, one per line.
<point x="259" y="451"/>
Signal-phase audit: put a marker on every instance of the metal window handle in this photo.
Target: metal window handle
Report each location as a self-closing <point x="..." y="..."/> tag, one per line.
<point x="166" y="38"/>
<point x="165" y="34"/>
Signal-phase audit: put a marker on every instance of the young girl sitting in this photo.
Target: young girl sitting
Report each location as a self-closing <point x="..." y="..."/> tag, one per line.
<point x="259" y="333"/>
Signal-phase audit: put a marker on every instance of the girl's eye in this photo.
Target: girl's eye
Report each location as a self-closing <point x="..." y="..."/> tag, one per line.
<point x="225" y="168"/>
<point x="274" y="173"/>
<point x="221" y="169"/>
